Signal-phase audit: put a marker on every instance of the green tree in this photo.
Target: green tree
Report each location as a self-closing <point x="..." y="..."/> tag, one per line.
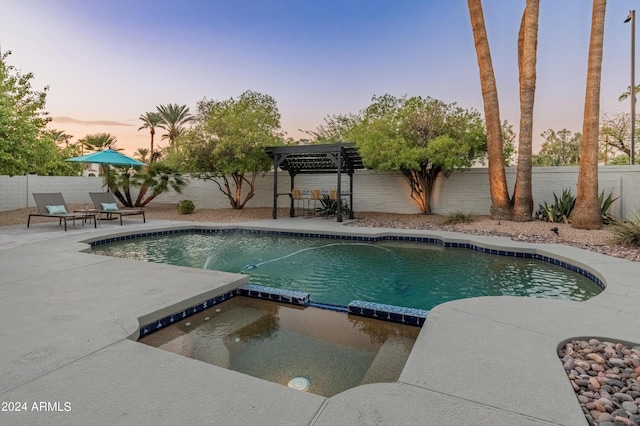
<point x="618" y="160"/>
<point x="421" y="137"/>
<point x="98" y="142"/>
<point x="60" y="137"/>
<point x="615" y="132"/>
<point x="335" y="128"/>
<point x="151" y="120"/>
<point x="141" y="154"/>
<point x="173" y="119"/>
<point x="625" y="95"/>
<point x="152" y="180"/>
<point x="24" y="146"/>
<point x="227" y="143"/>
<point x="508" y="144"/>
<point x="559" y="149"/>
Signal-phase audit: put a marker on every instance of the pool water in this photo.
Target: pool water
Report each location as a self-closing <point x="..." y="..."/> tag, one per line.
<point x="277" y="342"/>
<point x="415" y="275"/>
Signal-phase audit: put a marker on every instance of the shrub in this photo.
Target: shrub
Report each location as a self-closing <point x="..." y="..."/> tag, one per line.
<point x="186" y="207"/>
<point x="560" y="210"/>
<point x="628" y="233"/>
<point x="605" y="205"/>
<point x="457" y="217"/>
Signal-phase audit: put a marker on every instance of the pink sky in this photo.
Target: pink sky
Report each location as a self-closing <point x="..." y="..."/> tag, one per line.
<point x="115" y="60"/>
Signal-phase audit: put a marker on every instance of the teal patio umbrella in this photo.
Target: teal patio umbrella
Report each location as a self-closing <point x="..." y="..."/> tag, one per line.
<point x="109" y="157"/>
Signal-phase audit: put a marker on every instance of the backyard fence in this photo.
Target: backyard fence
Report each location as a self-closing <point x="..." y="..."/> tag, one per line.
<point x="389" y="192"/>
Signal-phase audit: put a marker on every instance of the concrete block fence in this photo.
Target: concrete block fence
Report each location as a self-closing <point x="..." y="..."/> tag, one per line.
<point x="373" y="191"/>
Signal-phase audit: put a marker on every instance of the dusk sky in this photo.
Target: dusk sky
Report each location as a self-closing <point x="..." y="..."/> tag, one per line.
<point x="111" y="61"/>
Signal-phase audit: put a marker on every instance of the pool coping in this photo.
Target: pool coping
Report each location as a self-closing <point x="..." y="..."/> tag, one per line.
<point x="490" y="359"/>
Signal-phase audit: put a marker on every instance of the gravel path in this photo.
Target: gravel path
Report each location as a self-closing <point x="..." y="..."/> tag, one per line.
<point x="535" y="231"/>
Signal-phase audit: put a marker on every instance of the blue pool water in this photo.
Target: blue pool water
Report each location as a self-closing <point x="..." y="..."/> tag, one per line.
<point x="415" y="275"/>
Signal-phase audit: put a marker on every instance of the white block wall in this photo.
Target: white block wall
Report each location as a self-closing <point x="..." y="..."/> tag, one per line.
<point x="15" y="191"/>
<point x="373" y="191"/>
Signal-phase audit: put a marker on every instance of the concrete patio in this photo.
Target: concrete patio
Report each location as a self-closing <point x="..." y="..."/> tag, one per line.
<point x="70" y="320"/>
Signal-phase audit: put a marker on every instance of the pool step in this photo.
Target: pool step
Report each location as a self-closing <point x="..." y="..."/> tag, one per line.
<point x="385" y="367"/>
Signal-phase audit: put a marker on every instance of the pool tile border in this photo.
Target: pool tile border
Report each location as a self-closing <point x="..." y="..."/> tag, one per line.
<point x="184" y="313"/>
<point x="400" y="314"/>
<point x="379" y="311"/>
<point x="275" y="294"/>
<point x="429" y="240"/>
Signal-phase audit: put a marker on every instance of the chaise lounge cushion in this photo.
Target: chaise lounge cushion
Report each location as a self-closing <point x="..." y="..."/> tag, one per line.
<point x="105" y="203"/>
<point x="57" y="209"/>
<point x="109" y="207"/>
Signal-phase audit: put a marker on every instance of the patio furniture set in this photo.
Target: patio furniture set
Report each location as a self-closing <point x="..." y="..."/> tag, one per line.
<point x="104" y="203"/>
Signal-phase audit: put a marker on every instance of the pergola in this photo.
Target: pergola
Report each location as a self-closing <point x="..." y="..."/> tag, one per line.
<point x="336" y="158"/>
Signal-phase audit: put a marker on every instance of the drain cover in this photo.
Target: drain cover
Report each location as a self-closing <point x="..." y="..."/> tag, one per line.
<point x="299" y="383"/>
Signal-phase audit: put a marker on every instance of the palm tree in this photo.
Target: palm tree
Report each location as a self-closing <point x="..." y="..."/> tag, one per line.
<point x="150" y="120"/>
<point x="59" y="136"/>
<point x="587" y="214"/>
<point x="98" y="142"/>
<point x="141" y="154"/>
<point x="527" y="53"/>
<point x="500" y="203"/>
<point x="173" y="119"/>
<point x="626" y="94"/>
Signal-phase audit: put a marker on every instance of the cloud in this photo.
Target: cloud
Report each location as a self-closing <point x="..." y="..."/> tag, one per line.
<point x="69" y="120"/>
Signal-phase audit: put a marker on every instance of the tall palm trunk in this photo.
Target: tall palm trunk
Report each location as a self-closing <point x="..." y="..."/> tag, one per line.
<point x="586" y="214"/>
<point x="153" y="132"/>
<point x="527" y="53"/>
<point x="500" y="203"/>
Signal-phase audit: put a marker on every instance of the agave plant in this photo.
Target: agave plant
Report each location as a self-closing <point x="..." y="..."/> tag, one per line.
<point x="628" y="233"/>
<point x="605" y="205"/>
<point x="560" y="210"/>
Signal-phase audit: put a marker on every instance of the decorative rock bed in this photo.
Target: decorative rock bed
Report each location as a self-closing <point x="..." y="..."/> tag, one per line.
<point x="604" y="376"/>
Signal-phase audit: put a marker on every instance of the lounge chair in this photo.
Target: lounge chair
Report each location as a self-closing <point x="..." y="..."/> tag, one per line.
<point x="52" y="204"/>
<point x="105" y="203"/>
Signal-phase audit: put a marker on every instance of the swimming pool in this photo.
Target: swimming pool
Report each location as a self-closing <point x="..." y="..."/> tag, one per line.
<point x="306" y="348"/>
<point x="338" y="271"/>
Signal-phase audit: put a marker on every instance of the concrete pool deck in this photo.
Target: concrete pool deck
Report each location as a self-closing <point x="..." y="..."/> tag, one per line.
<point x="68" y="320"/>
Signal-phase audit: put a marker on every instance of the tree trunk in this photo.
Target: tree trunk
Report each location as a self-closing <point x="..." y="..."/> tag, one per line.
<point x="500" y="202"/>
<point x="235" y="196"/>
<point x="527" y="53"/>
<point x="587" y="214"/>
<point x="153" y="132"/>
<point x="421" y="183"/>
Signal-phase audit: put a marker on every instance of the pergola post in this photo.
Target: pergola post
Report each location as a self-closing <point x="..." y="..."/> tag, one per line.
<point x="351" y="216"/>
<point x="339" y="194"/>
<point x="292" y="210"/>
<point x="275" y="193"/>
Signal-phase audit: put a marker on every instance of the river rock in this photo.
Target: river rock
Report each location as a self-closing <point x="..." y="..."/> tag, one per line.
<point x="631" y="407"/>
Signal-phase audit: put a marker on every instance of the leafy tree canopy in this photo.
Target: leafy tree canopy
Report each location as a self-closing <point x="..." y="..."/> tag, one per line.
<point x="559" y="149"/>
<point x="26" y="146"/>
<point x="615" y="135"/>
<point x="420" y="137"/>
<point x="227" y="143"/>
<point x="98" y="142"/>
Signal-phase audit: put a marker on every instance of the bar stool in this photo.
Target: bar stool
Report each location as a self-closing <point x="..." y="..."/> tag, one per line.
<point x="298" y="199"/>
<point x="315" y="196"/>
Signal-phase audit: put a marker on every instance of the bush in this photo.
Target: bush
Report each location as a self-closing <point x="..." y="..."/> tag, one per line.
<point x="186" y="207"/>
<point x="605" y="205"/>
<point x="560" y="210"/>
<point x="628" y="233"/>
<point x="457" y="217"/>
